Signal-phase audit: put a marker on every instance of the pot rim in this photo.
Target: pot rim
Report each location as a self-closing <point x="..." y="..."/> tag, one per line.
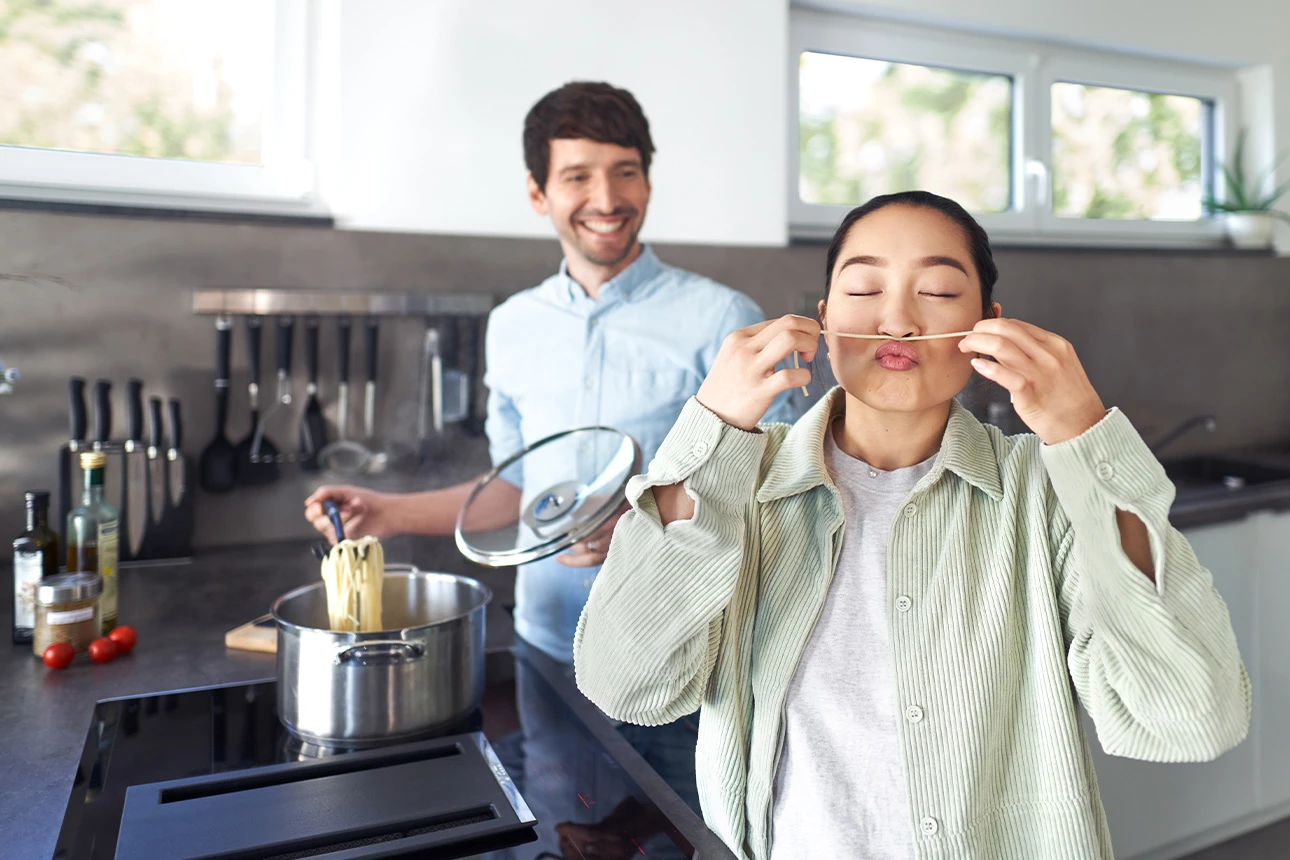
<point x="354" y="636"/>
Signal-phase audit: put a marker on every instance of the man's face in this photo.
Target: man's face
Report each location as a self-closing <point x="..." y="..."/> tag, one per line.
<point x="596" y="195"/>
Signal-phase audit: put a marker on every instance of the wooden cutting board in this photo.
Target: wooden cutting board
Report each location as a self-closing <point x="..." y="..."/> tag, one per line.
<point x="258" y="635"/>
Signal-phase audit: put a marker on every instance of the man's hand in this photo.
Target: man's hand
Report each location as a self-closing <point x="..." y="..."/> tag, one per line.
<point x="593" y="550"/>
<point x="363" y="513"/>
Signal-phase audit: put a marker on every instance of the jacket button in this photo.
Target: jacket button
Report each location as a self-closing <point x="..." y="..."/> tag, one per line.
<point x="929" y="826"/>
<point x="903" y="603"/>
<point x="914" y="714"/>
<point x="911" y="509"/>
<point x="1105" y="471"/>
<point x="700" y="448"/>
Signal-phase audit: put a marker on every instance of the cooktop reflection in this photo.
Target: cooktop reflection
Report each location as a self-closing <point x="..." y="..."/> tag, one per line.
<point x="585" y="803"/>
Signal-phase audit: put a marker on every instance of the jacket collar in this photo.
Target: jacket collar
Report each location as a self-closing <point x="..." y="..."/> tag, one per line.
<point x="798" y="466"/>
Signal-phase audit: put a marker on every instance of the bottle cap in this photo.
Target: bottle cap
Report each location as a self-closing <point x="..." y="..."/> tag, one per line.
<point x="38" y="497"/>
<point x="93" y="460"/>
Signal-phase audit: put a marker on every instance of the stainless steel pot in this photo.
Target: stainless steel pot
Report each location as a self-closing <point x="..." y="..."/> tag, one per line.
<point x="365" y="689"/>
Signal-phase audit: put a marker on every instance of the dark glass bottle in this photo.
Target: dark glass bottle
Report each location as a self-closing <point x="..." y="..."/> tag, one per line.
<point x="35" y="556"/>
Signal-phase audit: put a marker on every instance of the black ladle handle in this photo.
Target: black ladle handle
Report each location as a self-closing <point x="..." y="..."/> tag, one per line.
<point x="329" y="507"/>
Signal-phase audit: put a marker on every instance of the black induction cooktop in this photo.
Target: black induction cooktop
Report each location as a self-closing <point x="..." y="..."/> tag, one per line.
<point x="206" y="746"/>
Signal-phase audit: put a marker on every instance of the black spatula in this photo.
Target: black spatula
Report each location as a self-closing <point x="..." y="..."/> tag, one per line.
<point x="264" y="468"/>
<point x="218" y="469"/>
<point x="313" y="426"/>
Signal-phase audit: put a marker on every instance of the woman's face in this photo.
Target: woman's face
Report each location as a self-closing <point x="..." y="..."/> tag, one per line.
<point x="902" y="271"/>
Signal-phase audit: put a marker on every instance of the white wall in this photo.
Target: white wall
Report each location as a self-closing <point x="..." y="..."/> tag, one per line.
<point x="433" y="98"/>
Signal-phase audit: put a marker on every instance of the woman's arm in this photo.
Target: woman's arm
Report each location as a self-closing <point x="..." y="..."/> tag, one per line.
<point x="649" y="634"/>
<point x="1150" y="644"/>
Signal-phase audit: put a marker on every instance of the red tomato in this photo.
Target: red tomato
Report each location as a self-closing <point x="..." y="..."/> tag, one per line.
<point x="59" y="655"/>
<point x="102" y="650"/>
<point x="124" y="638"/>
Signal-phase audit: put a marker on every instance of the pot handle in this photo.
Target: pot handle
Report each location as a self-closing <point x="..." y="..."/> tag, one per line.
<point x="381" y="653"/>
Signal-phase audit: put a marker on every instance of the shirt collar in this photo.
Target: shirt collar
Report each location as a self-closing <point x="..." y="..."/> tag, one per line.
<point x="798" y="466"/>
<point x="643" y="269"/>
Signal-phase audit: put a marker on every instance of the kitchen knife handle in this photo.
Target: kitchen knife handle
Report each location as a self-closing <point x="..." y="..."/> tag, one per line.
<point x="373" y="347"/>
<point x="223" y="343"/>
<point x="76" y="409"/>
<point x="176" y="426"/>
<point x="134" y="409"/>
<point x="154" y="426"/>
<point x="102" y="411"/>
<point x="286" y="327"/>
<point x="311" y="350"/>
<point x="253" y="327"/>
<point x="342" y="352"/>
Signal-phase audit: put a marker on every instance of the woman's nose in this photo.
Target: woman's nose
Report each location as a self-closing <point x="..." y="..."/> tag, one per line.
<point x="897" y="320"/>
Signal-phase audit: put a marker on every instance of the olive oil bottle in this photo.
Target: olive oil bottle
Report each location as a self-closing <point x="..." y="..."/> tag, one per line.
<point x="92" y="536"/>
<point x="35" y="556"/>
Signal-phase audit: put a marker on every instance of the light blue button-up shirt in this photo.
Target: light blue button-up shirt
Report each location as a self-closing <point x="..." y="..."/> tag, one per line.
<point x="630" y="359"/>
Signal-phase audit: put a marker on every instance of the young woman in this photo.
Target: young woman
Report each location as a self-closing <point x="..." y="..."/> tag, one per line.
<point x="888" y="610"/>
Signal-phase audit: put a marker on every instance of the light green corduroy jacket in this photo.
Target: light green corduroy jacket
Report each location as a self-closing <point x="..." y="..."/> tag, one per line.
<point x="1008" y="596"/>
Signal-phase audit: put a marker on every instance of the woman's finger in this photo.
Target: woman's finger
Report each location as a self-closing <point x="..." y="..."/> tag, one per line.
<point x="782" y="346"/>
<point x="789" y="322"/>
<point x="1010" y="379"/>
<point x="1004" y="351"/>
<point x="790" y="377"/>
<point x="1010" y="330"/>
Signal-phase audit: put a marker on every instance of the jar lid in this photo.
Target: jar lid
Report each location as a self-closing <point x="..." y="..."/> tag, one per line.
<point x="67" y="587"/>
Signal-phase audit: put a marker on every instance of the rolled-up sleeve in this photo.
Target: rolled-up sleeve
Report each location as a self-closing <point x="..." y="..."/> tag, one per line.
<point x="1156" y="665"/>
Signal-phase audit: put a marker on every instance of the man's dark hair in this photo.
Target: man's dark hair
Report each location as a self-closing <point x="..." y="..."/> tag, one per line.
<point x="588" y="111"/>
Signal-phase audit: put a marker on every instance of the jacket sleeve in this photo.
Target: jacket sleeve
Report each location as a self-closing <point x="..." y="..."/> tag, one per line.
<point x="648" y="637"/>
<point x="1155" y="665"/>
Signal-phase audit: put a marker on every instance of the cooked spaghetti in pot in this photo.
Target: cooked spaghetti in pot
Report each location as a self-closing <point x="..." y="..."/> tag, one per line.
<point x="353" y="572"/>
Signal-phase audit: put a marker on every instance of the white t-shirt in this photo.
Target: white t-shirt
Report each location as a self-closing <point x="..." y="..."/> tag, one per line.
<point x="840" y="790"/>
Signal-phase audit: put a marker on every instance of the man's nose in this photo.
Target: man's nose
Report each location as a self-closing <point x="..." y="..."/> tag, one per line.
<point x="601" y="197"/>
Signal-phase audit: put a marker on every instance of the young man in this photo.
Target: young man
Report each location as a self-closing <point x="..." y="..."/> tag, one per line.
<point x="615" y="338"/>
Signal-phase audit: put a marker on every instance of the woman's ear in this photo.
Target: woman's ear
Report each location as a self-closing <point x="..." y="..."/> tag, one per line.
<point x="998" y="310"/>
<point x="819" y="311"/>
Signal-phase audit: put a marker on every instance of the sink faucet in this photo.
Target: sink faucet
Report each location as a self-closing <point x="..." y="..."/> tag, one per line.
<point x="1208" y="421"/>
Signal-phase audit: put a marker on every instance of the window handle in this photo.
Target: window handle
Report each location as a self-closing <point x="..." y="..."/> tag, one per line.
<point x="1037" y="171"/>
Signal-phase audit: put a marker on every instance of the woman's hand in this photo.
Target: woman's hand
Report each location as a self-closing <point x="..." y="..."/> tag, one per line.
<point x="743" y="381"/>
<point x="1049" y="388"/>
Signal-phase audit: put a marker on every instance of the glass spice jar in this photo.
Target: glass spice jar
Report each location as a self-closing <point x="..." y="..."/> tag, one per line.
<point x="67" y="610"/>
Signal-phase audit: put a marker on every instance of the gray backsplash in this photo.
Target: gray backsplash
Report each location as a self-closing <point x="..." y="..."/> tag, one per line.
<point x="1163" y="335"/>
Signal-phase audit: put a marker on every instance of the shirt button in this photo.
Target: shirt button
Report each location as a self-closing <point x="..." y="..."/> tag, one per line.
<point x="914" y="714"/>
<point x="911" y="509"/>
<point x="1105" y="471"/>
<point x="929" y="826"/>
<point x="700" y="448"/>
<point x="591" y="383"/>
<point x="903" y="603"/>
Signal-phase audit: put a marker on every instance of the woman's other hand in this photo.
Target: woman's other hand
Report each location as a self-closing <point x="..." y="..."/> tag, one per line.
<point x="1050" y="390"/>
<point x="743" y="381"/>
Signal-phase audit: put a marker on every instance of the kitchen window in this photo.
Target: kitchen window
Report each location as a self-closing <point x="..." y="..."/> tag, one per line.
<point x="196" y="104"/>
<point x="1044" y="144"/>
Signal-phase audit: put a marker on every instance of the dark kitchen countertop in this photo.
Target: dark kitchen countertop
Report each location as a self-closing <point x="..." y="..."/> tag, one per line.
<point x="1193" y="508"/>
<point x="181" y="613"/>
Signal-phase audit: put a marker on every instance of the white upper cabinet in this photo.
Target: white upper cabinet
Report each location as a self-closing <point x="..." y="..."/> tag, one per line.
<point x="433" y="98"/>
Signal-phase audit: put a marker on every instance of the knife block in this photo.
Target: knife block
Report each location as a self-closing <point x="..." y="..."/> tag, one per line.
<point x="173" y="546"/>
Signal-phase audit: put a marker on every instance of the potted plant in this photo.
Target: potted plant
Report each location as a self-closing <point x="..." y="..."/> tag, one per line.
<point x="1248" y="212"/>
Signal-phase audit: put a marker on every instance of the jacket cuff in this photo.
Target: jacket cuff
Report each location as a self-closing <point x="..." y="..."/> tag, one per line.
<point x="1107" y="464"/>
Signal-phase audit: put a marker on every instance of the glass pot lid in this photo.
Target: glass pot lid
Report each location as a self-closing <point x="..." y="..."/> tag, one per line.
<point x="569" y="485"/>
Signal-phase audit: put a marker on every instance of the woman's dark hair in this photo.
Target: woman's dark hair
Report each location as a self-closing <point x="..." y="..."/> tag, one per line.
<point x="584" y="110"/>
<point x="977" y="240"/>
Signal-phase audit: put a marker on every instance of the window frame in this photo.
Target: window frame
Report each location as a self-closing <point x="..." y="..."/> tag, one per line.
<point x="1033" y="67"/>
<point x="286" y="183"/>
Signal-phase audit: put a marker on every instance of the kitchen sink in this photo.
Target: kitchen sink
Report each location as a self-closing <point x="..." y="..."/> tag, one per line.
<point x="1209" y="471"/>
